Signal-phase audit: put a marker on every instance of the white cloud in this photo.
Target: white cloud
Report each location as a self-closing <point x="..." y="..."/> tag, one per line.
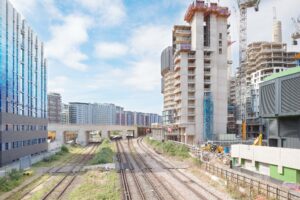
<point x="143" y="72"/>
<point x="144" y="75"/>
<point x="58" y="84"/>
<point x="67" y="38"/>
<point x="111" y="50"/>
<point x="109" y="12"/>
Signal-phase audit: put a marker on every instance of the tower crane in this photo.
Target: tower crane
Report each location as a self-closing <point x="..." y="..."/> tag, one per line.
<point x="243" y="6"/>
<point x="296" y="35"/>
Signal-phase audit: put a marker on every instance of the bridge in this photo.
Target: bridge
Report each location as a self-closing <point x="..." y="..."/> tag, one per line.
<point x="84" y="134"/>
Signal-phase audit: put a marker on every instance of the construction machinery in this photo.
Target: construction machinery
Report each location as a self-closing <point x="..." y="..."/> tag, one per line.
<point x="210" y="147"/>
<point x="296" y="34"/>
<point x="258" y="140"/>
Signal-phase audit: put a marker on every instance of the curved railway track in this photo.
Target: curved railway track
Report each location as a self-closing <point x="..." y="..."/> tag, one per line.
<point x="161" y="163"/>
<point x="160" y="189"/>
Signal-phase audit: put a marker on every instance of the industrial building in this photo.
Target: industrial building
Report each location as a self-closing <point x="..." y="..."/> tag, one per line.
<point x="278" y="163"/>
<point x="280" y="107"/>
<point x="200" y="68"/>
<point x="23" y="106"/>
<point x="262" y="59"/>
<point x="54" y="108"/>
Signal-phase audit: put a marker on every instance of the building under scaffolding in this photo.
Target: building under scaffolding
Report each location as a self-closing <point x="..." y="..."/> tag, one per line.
<point x="208" y="109"/>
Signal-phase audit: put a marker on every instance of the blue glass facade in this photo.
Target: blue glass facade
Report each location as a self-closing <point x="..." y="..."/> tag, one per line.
<point x="23" y="82"/>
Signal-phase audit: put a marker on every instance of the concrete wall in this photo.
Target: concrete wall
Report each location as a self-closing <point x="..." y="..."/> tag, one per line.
<point x="281" y="157"/>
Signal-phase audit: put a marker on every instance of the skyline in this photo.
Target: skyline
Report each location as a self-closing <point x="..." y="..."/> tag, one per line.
<point x="129" y="42"/>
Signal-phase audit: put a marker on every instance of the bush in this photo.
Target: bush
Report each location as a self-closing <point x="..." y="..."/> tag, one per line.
<point x="169" y="148"/>
<point x="104" y="156"/>
<point x="64" y="149"/>
<point x="11" y="181"/>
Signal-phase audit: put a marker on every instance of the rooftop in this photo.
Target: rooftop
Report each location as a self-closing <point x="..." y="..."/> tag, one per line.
<point x="290" y="71"/>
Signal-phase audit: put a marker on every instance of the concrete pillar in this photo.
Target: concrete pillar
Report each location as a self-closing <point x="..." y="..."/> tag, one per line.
<point x="82" y="139"/>
<point x="124" y="133"/>
<point x="104" y="134"/>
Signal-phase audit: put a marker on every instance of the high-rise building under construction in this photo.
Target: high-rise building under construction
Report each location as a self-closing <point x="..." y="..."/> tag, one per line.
<point x="262" y="60"/>
<point x="199" y="74"/>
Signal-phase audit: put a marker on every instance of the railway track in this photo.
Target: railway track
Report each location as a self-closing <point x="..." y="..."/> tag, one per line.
<point x="173" y="168"/>
<point x="160" y="189"/>
<point x="54" y="169"/>
<point x="61" y="187"/>
<point x="124" y="179"/>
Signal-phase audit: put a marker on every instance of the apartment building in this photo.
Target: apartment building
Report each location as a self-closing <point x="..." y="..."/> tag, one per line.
<point x="54" y="108"/>
<point x="167" y="72"/>
<point x="231" y="119"/>
<point x="80" y="113"/>
<point x="200" y="74"/>
<point x="23" y="82"/>
<point x="65" y="114"/>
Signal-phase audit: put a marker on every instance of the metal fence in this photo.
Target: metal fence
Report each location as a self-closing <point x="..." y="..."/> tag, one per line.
<point x="271" y="191"/>
<point x="29" y="160"/>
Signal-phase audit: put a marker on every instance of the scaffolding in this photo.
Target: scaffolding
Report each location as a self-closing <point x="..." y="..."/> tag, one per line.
<point x="208" y="110"/>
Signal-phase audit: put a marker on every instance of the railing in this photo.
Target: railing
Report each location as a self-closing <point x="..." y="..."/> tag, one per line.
<point x="260" y="187"/>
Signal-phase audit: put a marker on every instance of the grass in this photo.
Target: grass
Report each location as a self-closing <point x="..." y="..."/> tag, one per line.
<point x="11" y="181"/>
<point x="105" y="153"/>
<point x="169" y="148"/>
<point x="98" y="185"/>
<point x="63" y="154"/>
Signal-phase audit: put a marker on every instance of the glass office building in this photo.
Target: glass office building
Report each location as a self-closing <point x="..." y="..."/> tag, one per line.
<point x="23" y="91"/>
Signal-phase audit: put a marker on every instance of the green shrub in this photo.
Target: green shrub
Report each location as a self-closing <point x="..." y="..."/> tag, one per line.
<point x="169" y="148"/>
<point x="105" y="155"/>
<point x="64" y="149"/>
<point x="11" y="181"/>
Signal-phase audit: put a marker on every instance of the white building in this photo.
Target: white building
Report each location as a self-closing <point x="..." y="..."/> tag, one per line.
<point x="200" y="73"/>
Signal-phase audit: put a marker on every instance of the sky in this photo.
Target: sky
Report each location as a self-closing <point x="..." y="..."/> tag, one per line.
<point x="108" y="51"/>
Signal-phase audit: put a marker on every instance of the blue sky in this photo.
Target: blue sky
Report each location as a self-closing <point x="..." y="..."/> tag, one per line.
<point x="109" y="50"/>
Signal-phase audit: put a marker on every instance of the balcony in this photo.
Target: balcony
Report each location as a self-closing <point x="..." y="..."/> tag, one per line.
<point x="191" y="80"/>
<point x="177" y="98"/>
<point x="191" y="113"/>
<point x="183" y="32"/>
<point x="177" y="82"/>
<point x="191" y="89"/>
<point x="177" y="90"/>
<point x="207" y="81"/>
<point x="177" y="67"/>
<point x="192" y="66"/>
<point x="191" y="56"/>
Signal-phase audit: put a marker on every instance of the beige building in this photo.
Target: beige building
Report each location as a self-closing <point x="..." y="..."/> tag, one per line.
<point x="200" y="74"/>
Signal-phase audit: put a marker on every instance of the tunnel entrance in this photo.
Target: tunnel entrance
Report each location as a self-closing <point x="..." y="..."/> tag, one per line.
<point x="70" y="137"/>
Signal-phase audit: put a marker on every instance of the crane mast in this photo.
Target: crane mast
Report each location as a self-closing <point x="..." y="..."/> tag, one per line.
<point x="243" y="6"/>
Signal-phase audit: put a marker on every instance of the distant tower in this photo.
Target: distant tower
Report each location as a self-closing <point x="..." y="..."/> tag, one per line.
<point x="277" y="31"/>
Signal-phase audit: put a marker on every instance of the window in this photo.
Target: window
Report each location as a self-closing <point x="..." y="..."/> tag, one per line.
<point x="220" y="51"/>
<point x="220" y="36"/>
<point x="6" y="146"/>
<point x="220" y="43"/>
